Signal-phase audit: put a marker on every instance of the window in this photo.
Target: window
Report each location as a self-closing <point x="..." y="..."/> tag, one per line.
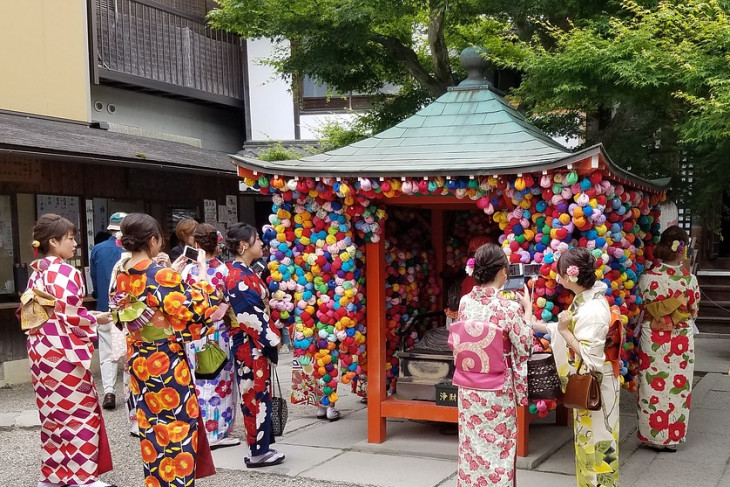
<point x="318" y="97"/>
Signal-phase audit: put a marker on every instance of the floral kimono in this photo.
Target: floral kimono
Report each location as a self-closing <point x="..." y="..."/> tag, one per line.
<point x="666" y="358"/>
<point x="216" y="396"/>
<point x="253" y="341"/>
<point x="162" y="314"/>
<point x="488" y="419"/>
<point x="596" y="432"/>
<point x="74" y="444"/>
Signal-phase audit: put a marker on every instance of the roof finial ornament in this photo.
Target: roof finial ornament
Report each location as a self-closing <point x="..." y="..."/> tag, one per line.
<point x="474" y="61"/>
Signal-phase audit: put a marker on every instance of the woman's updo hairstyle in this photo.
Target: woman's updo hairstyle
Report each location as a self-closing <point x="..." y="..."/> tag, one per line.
<point x="584" y="261"/>
<point x="206" y="236"/>
<point x="489" y="259"/>
<point x="50" y="226"/>
<point x="237" y="233"/>
<point x="663" y="250"/>
<point x="137" y="230"/>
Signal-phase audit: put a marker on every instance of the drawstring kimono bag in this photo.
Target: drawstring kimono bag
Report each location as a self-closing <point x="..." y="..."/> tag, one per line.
<point x="210" y="361"/>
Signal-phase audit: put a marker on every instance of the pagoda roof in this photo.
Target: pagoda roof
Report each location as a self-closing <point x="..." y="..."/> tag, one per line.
<point x="471" y="130"/>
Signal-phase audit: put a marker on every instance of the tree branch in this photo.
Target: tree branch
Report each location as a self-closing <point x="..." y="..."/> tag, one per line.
<point x="408" y="58"/>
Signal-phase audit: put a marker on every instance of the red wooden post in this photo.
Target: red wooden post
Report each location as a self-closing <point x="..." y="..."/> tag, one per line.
<point x="375" y="319"/>
<point x="523" y="431"/>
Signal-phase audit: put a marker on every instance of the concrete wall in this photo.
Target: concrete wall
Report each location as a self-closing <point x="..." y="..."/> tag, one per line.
<point x="210" y="127"/>
<point x="44" y="53"/>
<point x="271" y="102"/>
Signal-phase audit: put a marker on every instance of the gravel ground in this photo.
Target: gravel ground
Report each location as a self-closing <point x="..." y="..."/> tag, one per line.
<point x="20" y="451"/>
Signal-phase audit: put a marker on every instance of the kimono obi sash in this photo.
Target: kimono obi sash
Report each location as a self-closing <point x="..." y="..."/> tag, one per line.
<point x="480" y="354"/>
<point x="668" y="313"/>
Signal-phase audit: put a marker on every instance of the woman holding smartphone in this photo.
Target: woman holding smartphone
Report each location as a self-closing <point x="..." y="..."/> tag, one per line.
<point x="254" y="342"/>
<point x="216" y="395"/>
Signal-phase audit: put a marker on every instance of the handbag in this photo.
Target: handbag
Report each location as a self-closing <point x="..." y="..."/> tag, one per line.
<point x="279" y="408"/>
<point x="583" y="391"/>
<point x="119" y="344"/>
<point x="210" y="361"/>
<point x="543" y="381"/>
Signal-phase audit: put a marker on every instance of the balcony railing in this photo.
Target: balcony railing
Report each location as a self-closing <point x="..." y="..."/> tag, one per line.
<point x="145" y="44"/>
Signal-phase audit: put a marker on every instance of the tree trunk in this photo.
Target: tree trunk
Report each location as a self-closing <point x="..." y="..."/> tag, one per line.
<point x="437" y="43"/>
<point x="406" y="56"/>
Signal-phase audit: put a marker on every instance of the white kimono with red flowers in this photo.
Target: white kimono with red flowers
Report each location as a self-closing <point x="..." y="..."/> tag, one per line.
<point x="666" y="359"/>
<point x="488" y="419"/>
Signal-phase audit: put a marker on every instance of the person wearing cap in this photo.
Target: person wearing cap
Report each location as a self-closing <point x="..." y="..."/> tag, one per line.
<point x="103" y="258"/>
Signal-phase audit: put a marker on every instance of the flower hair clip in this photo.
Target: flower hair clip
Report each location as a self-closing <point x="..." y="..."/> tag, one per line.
<point x="35" y="244"/>
<point x="678" y="246"/>
<point x="469" y="267"/>
<point x="572" y="273"/>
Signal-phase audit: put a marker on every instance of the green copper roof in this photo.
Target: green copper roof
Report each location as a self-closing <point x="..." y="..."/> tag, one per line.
<point x="470" y="130"/>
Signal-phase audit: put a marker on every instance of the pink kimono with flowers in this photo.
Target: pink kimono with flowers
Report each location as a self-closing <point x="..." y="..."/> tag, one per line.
<point x="666" y="359"/>
<point x="488" y="419"/>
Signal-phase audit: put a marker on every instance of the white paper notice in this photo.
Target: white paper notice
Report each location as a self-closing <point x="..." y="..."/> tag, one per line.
<point x="209" y="211"/>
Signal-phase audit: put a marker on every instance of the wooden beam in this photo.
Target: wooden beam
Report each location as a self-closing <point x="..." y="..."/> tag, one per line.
<point x="421" y="410"/>
<point x="375" y="319"/>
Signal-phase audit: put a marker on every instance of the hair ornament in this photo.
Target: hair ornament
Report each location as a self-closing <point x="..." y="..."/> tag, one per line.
<point x="572" y="272"/>
<point x="675" y="245"/>
<point x="470" y="267"/>
<point x="35" y="245"/>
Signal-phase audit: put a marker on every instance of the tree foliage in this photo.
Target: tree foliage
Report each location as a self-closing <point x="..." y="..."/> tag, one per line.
<point x="647" y="78"/>
<point x="657" y="78"/>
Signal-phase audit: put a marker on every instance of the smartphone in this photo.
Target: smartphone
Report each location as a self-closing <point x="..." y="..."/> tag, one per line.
<point x="515" y="270"/>
<point x="258" y="266"/>
<point x="190" y="253"/>
<point x="514" y="283"/>
<point x="531" y="270"/>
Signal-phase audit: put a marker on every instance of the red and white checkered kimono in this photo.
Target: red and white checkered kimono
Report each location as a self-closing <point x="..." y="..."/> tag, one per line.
<point x="73" y="438"/>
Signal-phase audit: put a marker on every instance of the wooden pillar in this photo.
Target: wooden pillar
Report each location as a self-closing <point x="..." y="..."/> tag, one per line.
<point x="523" y="431"/>
<point x="375" y="319"/>
<point x="439" y="248"/>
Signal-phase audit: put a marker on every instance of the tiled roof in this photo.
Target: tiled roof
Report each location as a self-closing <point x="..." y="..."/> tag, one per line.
<point x="470" y="130"/>
<point x="78" y="141"/>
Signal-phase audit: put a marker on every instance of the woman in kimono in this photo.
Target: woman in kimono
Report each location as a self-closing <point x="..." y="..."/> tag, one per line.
<point x="670" y="295"/>
<point x="580" y="336"/>
<point x="254" y="343"/>
<point x="216" y="396"/>
<point x="162" y="313"/>
<point x="487" y="401"/>
<point x="75" y="450"/>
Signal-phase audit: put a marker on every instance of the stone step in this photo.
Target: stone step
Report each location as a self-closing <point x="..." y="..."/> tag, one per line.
<point x="713" y="324"/>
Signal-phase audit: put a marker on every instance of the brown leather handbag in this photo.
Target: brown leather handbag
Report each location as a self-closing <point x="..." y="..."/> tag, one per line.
<point x="583" y="391"/>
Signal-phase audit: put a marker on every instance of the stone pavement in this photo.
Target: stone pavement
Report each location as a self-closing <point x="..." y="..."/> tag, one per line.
<point x="416" y="454"/>
<point x="421" y="454"/>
